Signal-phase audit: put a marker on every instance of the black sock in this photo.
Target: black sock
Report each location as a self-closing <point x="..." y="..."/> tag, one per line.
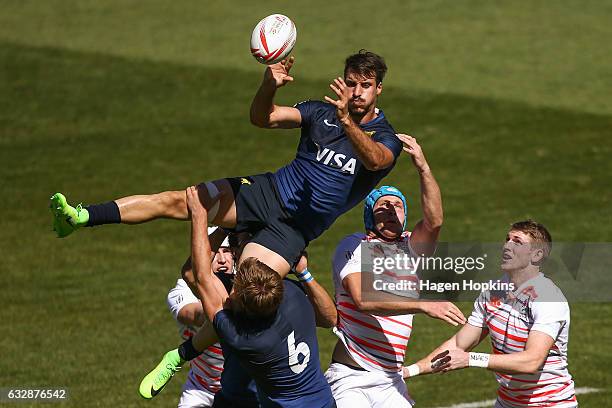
<point x="106" y="213"/>
<point x="187" y="351"/>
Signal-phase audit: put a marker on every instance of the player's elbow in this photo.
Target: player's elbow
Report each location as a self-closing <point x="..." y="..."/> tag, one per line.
<point x="362" y="306"/>
<point x="377" y="163"/>
<point x="530" y="369"/>
<point x="532" y="365"/>
<point x="374" y="165"/>
<point x="328" y="321"/>
<point x="189" y="278"/>
<point x="435" y="222"/>
<point x="258" y="121"/>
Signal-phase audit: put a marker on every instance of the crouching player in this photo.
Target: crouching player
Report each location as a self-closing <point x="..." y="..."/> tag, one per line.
<point x="528" y="327"/>
<point x="203" y="380"/>
<point x="256" y="324"/>
<point x="366" y="368"/>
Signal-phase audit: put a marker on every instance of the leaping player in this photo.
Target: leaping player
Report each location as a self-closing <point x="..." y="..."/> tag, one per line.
<point x="346" y="147"/>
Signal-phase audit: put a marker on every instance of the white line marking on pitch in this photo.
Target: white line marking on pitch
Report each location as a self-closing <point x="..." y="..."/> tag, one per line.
<point x="490" y="403"/>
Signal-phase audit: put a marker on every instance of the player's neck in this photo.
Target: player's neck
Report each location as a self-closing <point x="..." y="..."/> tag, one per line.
<point x="367" y="117"/>
<point x="381" y="237"/>
<point x="520" y="276"/>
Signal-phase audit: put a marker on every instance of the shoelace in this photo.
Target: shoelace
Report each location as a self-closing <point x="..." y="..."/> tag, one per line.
<point x="78" y="209"/>
<point x="166" y="374"/>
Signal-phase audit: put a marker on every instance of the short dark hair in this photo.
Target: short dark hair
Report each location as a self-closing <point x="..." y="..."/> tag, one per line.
<point x="367" y="64"/>
<point x="258" y="288"/>
<point x="537" y="232"/>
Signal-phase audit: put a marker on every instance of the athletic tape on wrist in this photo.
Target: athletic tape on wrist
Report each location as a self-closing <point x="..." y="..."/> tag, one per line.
<point x="479" y="360"/>
<point x="304" y="276"/>
<point x="413" y="370"/>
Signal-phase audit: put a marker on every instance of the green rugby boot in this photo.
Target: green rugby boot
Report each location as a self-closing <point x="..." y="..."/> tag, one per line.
<point x="161" y="375"/>
<point x="66" y="218"/>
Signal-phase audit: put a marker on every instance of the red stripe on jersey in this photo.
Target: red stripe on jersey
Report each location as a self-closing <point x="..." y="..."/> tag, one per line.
<point x="542" y="394"/>
<point x="372" y="361"/>
<point x="395" y="321"/>
<point x="530" y="388"/>
<point x="395" y="345"/>
<point x="522" y="403"/>
<point x="538" y="381"/>
<point x="370" y="326"/>
<point x="502" y="318"/>
<point x="508" y="335"/>
<point x="203" y="383"/>
<point x="214" y="367"/>
<point x="374" y="346"/>
<point x="211" y="376"/>
<point x="215" y="350"/>
<point x="352" y="306"/>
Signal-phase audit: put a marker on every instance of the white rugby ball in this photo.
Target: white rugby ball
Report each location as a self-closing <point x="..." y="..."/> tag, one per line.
<point x="273" y="39"/>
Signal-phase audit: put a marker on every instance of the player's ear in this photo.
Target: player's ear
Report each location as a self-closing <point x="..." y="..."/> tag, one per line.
<point x="379" y="88"/>
<point x="537" y="256"/>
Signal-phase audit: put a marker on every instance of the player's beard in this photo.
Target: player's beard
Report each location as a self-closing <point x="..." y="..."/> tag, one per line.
<point x="358" y="111"/>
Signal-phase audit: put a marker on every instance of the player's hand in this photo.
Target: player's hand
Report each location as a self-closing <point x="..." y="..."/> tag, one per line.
<point x="194" y="204"/>
<point x="445" y="311"/>
<point x="340" y="89"/>
<point x="450" y="360"/>
<point x="414" y="150"/>
<point x="302" y="263"/>
<point x="278" y="74"/>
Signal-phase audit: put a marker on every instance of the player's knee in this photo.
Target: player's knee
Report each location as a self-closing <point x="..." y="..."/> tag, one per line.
<point x="173" y="203"/>
<point x="210" y="195"/>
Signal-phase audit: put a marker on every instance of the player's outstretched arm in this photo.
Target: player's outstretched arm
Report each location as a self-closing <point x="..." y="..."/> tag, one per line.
<point x="528" y="361"/>
<point x="326" y="314"/>
<point x="209" y="288"/>
<point x="388" y="304"/>
<point x="264" y="113"/>
<point x="425" y="234"/>
<point x="465" y="340"/>
<point x="216" y="240"/>
<point x="374" y="155"/>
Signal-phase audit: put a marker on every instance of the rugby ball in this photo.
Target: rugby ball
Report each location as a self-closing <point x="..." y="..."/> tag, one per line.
<point x="273" y="39"/>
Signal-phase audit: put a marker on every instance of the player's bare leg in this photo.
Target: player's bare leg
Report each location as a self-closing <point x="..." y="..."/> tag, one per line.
<point x="267" y="256"/>
<point x="216" y="196"/>
<point x="173" y="204"/>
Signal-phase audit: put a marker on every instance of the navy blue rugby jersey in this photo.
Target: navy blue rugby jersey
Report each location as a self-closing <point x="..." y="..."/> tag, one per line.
<point x="326" y="178"/>
<point x="237" y="386"/>
<point x="281" y="354"/>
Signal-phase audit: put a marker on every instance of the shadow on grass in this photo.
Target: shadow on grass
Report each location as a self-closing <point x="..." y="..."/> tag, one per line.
<point x="99" y="127"/>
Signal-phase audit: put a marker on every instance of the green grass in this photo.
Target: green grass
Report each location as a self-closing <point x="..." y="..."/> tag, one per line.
<point x="105" y="99"/>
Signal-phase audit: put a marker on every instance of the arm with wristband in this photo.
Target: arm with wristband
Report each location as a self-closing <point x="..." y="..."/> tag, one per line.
<point x="466" y="339"/>
<point x="326" y="315"/>
<point x="528" y="361"/>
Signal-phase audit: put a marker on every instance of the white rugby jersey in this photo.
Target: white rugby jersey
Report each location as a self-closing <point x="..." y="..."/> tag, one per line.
<point x="376" y="343"/>
<point x="206" y="369"/>
<point x="537" y="305"/>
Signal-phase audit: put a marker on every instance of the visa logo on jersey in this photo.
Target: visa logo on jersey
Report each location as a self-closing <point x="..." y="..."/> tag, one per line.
<point x="338" y="160"/>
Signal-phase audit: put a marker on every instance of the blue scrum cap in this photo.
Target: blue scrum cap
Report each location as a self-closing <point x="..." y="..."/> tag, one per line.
<point x="368" y="209"/>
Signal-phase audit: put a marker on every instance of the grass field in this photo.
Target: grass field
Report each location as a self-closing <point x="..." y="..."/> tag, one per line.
<point x="101" y="99"/>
